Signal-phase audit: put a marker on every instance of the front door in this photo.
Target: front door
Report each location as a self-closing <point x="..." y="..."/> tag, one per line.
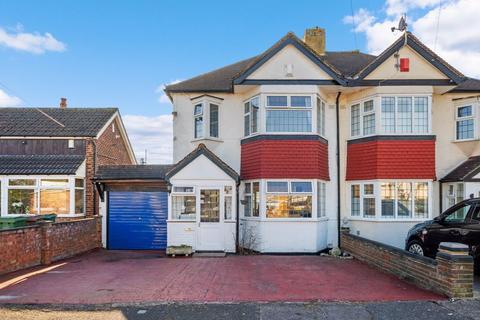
<point x="210" y="231"/>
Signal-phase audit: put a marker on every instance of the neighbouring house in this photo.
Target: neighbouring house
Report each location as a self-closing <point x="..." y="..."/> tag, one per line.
<point x="48" y="157"/>
<point x="276" y="152"/>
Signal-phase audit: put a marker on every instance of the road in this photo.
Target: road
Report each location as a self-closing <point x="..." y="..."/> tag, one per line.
<point x="464" y="309"/>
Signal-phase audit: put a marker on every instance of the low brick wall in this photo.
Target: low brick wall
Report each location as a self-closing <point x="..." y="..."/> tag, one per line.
<point x="44" y="243"/>
<point x="450" y="274"/>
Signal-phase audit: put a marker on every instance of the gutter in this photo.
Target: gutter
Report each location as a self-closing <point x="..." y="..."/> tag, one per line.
<point x="337" y="110"/>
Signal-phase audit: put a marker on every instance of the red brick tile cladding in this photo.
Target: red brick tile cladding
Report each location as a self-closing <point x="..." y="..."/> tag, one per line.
<point x="386" y="157"/>
<point x="42" y="244"/>
<point x="302" y="157"/>
<point x="451" y="273"/>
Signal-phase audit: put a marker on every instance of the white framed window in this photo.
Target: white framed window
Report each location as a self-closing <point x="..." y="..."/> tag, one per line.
<point x="465" y="124"/>
<point x="184" y="203"/>
<point x="251" y="206"/>
<point x="288" y="113"/>
<point x="402" y="200"/>
<point x="454" y="193"/>
<point x="228" y="202"/>
<point x="60" y="195"/>
<point x="251" y="115"/>
<point x="321" y="199"/>
<point x="206" y="119"/>
<point x="320" y="116"/>
<point x="289" y="199"/>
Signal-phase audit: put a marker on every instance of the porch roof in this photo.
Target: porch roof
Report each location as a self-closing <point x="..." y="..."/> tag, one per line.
<point x="39" y="164"/>
<point x="466" y="171"/>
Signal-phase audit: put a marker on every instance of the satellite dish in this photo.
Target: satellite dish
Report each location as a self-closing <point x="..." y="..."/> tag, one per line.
<point x="402" y="24"/>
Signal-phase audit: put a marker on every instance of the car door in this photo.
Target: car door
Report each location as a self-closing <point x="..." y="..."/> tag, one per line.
<point x="449" y="227"/>
<point x="471" y="231"/>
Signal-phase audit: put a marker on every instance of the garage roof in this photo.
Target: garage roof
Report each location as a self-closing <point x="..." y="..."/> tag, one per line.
<point x="132" y="172"/>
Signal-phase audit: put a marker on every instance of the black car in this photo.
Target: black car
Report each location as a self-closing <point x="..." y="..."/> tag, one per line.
<point x="460" y="223"/>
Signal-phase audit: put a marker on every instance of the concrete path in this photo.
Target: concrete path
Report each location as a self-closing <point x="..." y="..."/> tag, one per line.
<point x="137" y="277"/>
<point x="248" y="311"/>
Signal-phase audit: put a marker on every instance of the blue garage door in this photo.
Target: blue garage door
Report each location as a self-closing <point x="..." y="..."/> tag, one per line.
<point x="137" y="220"/>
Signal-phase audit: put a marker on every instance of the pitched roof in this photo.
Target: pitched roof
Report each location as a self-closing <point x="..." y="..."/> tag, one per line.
<point x="465" y="171"/>
<point x="202" y="150"/>
<point x="469" y="85"/>
<point x="132" y="172"/>
<point x="78" y="122"/>
<point x="40" y="164"/>
<point x="348" y="63"/>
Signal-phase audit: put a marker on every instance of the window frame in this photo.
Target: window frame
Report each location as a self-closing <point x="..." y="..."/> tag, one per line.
<point x="70" y="186"/>
<point x="175" y="193"/>
<point x="378" y="201"/>
<point x="289" y="107"/>
<point x="320" y="122"/>
<point x="250" y="115"/>
<point x="206" y="117"/>
<point x="472" y="117"/>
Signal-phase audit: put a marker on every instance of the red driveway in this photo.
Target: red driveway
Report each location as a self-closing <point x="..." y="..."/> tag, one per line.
<point x="123" y="277"/>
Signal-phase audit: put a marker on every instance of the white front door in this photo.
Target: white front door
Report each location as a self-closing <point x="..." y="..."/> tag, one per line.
<point x="210" y="231"/>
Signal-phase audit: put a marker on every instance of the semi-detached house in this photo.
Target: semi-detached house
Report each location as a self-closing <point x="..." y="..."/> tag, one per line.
<point x="277" y="152"/>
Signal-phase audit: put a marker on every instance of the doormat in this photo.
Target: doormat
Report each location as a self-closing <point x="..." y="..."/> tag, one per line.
<point x="209" y="254"/>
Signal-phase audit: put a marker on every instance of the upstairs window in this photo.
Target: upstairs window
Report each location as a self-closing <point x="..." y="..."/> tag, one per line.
<point x="362" y="118"/>
<point x="320" y="117"/>
<point x="206" y="120"/>
<point x="464" y="123"/>
<point x="250" y="118"/>
<point x="288" y="113"/>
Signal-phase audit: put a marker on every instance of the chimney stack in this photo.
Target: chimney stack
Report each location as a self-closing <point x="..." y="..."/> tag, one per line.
<point x="315" y="39"/>
<point x="63" y="103"/>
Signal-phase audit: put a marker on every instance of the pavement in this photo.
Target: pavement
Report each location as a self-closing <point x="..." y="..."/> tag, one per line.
<point x="463" y="309"/>
<point x="106" y="277"/>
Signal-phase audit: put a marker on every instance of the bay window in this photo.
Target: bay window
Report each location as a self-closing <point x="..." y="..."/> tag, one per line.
<point x="61" y="196"/>
<point x="252" y="199"/>
<point x="321" y="197"/>
<point x="184" y="203"/>
<point x="288" y="113"/>
<point x="396" y="200"/>
<point x="320" y="117"/>
<point x="206" y="120"/>
<point x="288" y="199"/>
<point x="397" y="115"/>
<point x="464" y="123"/>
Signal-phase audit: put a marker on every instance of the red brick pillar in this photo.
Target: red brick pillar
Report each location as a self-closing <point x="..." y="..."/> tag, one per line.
<point x="45" y="248"/>
<point x="455" y="270"/>
<point x="89" y="174"/>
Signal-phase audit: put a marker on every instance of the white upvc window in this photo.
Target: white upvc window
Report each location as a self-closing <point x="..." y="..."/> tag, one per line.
<point x="228" y="203"/>
<point x="251" y="203"/>
<point x="60" y="195"/>
<point x="289" y="199"/>
<point x="288" y="113"/>
<point x="320" y="116"/>
<point x="465" y="122"/>
<point x="251" y="116"/>
<point x="184" y="203"/>
<point x="396" y="200"/>
<point x="454" y="193"/>
<point x="391" y="115"/>
<point x="206" y="119"/>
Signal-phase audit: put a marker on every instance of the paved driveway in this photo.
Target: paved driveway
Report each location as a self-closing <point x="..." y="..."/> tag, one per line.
<point x="127" y="277"/>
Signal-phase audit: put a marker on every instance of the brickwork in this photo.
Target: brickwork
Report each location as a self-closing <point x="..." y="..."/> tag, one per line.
<point x="44" y="243"/>
<point x="450" y="274"/>
<point x="279" y="159"/>
<point x="391" y="159"/>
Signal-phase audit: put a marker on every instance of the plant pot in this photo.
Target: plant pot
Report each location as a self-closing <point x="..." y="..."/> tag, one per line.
<point x="12" y="222"/>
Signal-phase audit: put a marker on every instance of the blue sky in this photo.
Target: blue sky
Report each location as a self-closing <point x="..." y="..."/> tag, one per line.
<point x="117" y="53"/>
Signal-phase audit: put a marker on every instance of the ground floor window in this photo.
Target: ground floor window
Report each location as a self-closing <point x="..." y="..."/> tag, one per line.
<point x="45" y="195"/>
<point x="251" y="207"/>
<point x="394" y="199"/>
<point x="289" y="199"/>
<point x="454" y="193"/>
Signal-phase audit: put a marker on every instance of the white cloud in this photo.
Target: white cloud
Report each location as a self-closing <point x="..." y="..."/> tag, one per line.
<point x="8" y="101"/>
<point x="458" y="39"/>
<point x="154" y="134"/>
<point x="30" y="42"/>
<point x="161" y="89"/>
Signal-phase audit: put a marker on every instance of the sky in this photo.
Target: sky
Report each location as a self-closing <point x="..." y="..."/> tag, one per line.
<point x="122" y="53"/>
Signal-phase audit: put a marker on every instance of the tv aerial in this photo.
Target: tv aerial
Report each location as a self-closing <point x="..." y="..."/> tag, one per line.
<point x="402" y="24"/>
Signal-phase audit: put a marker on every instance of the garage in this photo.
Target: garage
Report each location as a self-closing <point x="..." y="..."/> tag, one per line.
<point x="137" y="220"/>
<point x="134" y="206"/>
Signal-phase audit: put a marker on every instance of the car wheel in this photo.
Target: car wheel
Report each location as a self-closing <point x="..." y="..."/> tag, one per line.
<point x="416" y="247"/>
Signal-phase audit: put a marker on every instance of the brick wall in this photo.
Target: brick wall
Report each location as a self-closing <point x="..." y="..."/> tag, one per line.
<point x="391" y="159"/>
<point x="292" y="158"/>
<point x="450" y="274"/>
<point x="44" y="243"/>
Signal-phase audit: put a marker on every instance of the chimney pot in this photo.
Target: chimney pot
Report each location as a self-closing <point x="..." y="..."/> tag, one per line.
<point x="315" y="39"/>
<point x="63" y="103"/>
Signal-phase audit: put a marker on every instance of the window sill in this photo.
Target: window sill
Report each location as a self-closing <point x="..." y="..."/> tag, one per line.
<point x="207" y="139"/>
<point x="181" y="221"/>
<point x="465" y="140"/>
<point x="391" y="135"/>
<point x="285" y="219"/>
<point x="416" y="220"/>
<point x="14" y="215"/>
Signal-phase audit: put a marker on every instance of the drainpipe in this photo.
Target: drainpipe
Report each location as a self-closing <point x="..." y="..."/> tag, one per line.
<point x="337" y="109"/>
<point x="237" y="227"/>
